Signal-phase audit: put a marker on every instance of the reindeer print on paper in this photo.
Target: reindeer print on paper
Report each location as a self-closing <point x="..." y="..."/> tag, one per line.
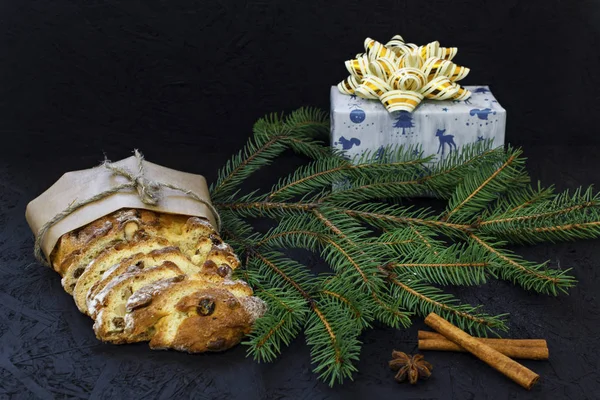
<point x="445" y="140"/>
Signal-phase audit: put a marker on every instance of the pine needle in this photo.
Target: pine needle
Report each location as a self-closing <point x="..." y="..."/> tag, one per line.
<point x="384" y="258"/>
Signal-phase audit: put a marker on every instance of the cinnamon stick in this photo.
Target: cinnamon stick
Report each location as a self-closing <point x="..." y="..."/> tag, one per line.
<point x="528" y="353"/>
<point x="426" y="335"/>
<point x="510" y="368"/>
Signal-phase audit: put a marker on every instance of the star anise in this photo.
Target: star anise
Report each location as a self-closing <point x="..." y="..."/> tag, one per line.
<point x="409" y="367"/>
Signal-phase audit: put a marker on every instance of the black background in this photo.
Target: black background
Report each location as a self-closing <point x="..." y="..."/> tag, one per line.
<point x="184" y="81"/>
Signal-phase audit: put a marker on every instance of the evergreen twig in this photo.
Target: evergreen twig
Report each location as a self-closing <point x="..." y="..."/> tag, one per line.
<point x="384" y="258"/>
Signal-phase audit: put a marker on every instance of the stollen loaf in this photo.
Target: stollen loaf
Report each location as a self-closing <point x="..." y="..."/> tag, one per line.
<point x="164" y="278"/>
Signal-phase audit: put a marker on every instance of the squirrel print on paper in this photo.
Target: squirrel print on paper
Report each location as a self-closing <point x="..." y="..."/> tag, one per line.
<point x="482" y="114"/>
<point x="445" y="139"/>
<point x="347" y="144"/>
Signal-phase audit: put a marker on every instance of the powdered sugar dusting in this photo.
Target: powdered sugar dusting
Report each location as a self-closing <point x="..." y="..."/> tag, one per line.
<point x="255" y="307"/>
<point x="223" y="246"/>
<point x="229" y="282"/>
<point x="202" y="221"/>
<point x="145" y="294"/>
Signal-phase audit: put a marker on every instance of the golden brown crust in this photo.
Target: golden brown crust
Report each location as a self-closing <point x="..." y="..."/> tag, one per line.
<point x="191" y="315"/>
<point x="181" y="231"/>
<point x="165" y="295"/>
<point x="219" y="330"/>
<point x="105" y="260"/>
<point x="108" y="225"/>
<point x="71" y="243"/>
<point x="209" y="269"/>
<point x="146" y="276"/>
<point x="154" y="257"/>
<point x="110" y="302"/>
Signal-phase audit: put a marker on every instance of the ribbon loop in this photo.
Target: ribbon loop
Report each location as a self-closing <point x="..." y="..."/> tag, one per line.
<point x="375" y="50"/>
<point x="408" y="79"/>
<point x="372" y="87"/>
<point x="401" y="100"/>
<point x="358" y="67"/>
<point x="382" y="67"/>
<point x="401" y="74"/>
<point x="410" y="60"/>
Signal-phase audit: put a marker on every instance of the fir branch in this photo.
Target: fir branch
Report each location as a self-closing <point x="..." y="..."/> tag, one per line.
<point x="443" y="176"/>
<point x="380" y="188"/>
<point x="551" y="206"/>
<point x="407" y="240"/>
<point x="320" y="173"/>
<point x="281" y="272"/>
<point x="272" y="136"/>
<point x="383" y="219"/>
<point x="264" y="146"/>
<point x="279" y="327"/>
<point x="300" y="231"/>
<point x="281" y="299"/>
<point x="344" y="246"/>
<point x="424" y="240"/>
<point x="524" y="198"/>
<point x="299" y="238"/>
<point x="353" y="308"/>
<point x="389" y="310"/>
<point x="309" y="122"/>
<point x="447" y="273"/>
<point x="425" y="299"/>
<point x="585" y="230"/>
<point x="333" y="338"/>
<point x="393" y="243"/>
<point x="367" y="266"/>
<point x="481" y="187"/>
<point x="329" y="207"/>
<point x="266" y="208"/>
<point x="557" y="218"/>
<point x="529" y="275"/>
<point x="235" y="230"/>
<point x="330" y="170"/>
<point x="458" y="264"/>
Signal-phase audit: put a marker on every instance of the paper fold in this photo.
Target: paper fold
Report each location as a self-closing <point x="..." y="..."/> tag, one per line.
<point x="84" y="184"/>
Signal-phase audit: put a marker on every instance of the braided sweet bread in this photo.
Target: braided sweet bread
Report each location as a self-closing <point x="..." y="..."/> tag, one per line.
<point x="163" y="278"/>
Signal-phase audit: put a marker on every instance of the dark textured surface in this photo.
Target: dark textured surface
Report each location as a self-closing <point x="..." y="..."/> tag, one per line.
<point x="184" y="81"/>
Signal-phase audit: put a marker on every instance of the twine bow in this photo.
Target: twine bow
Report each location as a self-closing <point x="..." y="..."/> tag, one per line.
<point x="148" y="191"/>
<point x="401" y="74"/>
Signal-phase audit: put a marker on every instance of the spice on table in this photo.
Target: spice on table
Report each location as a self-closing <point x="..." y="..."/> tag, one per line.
<point x="530" y="349"/>
<point x="510" y="368"/>
<point x="411" y="368"/>
<point x="426" y="335"/>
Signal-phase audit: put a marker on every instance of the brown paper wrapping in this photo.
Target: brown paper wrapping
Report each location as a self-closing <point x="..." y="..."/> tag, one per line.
<point x="81" y="185"/>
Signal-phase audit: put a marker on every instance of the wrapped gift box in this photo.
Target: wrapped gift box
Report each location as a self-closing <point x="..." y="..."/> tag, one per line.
<point x="435" y="127"/>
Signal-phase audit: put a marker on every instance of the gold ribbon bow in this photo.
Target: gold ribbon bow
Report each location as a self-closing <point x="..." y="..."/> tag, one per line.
<point x="401" y="74"/>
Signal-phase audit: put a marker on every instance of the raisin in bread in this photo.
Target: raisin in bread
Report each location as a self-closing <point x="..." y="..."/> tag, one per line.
<point x="209" y="269"/>
<point x="206" y="247"/>
<point x="173" y="260"/>
<point x="192" y="315"/>
<point x="109" y="257"/>
<point x="191" y="235"/>
<point x="109" y="307"/>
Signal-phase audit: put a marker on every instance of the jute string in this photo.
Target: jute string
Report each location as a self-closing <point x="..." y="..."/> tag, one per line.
<point x="147" y="190"/>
